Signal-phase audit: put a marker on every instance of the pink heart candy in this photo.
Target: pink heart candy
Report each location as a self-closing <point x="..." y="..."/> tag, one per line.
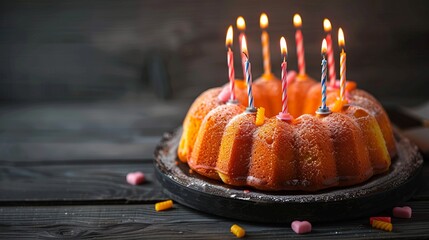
<point x="402" y="212"/>
<point x="301" y="227"/>
<point x="135" y="178"/>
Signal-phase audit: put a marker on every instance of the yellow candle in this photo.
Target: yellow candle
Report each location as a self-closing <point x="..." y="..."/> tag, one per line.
<point x="265" y="39"/>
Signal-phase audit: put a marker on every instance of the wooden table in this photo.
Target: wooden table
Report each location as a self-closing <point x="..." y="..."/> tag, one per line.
<point x="63" y="168"/>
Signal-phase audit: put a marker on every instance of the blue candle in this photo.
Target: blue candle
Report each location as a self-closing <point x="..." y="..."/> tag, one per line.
<point x="323" y="109"/>
<point x="250" y="107"/>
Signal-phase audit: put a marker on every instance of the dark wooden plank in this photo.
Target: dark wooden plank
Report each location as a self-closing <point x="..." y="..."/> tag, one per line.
<point x="105" y="130"/>
<point x="423" y="192"/>
<point x="53" y="152"/>
<point x="92" y="180"/>
<point x="142" y="221"/>
<point x="76" y="182"/>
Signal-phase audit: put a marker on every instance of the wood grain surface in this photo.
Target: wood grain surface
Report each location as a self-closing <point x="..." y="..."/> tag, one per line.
<point x="141" y="221"/>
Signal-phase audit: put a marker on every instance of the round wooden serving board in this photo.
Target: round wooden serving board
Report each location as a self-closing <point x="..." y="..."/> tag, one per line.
<point x="198" y="192"/>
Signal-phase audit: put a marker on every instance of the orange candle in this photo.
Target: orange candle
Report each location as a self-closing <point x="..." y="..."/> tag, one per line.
<point x="265" y="39"/>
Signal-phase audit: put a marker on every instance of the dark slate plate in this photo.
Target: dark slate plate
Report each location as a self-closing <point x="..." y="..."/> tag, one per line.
<point x="377" y="194"/>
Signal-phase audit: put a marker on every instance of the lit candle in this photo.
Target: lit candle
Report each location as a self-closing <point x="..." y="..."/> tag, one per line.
<point x="250" y="106"/>
<point x="297" y="22"/>
<point x="323" y="109"/>
<point x="241" y="25"/>
<point x="331" y="61"/>
<point x="284" y="114"/>
<point x="230" y="61"/>
<point x="265" y="39"/>
<point x="342" y="44"/>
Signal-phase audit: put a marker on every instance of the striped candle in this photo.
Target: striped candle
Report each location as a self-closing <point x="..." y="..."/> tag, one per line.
<point x="249" y="85"/>
<point x="284" y="114"/>
<point x="297" y="21"/>
<point x="283" y="48"/>
<point x="250" y="106"/>
<point x="231" y="74"/>
<point x="323" y="109"/>
<point x="265" y="40"/>
<point x="331" y="61"/>
<point x="230" y="61"/>
<point x="343" y="58"/>
<point x="241" y="25"/>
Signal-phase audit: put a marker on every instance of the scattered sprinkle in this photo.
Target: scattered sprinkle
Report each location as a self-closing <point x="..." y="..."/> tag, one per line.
<point x="135" y="178"/>
<point x="260" y="116"/>
<point x="238" y="231"/>
<point x="383" y="219"/>
<point x="301" y="227"/>
<point x="382" y="225"/>
<point x="402" y="212"/>
<point x="161" y="206"/>
<point x="246" y="191"/>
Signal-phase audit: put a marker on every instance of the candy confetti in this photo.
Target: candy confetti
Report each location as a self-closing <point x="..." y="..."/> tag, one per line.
<point x="301" y="227"/>
<point x="161" y="206"/>
<point x="238" y="231"/>
<point x="260" y="116"/>
<point x="383" y="219"/>
<point x="402" y="212"/>
<point x="135" y="178"/>
<point x="382" y="225"/>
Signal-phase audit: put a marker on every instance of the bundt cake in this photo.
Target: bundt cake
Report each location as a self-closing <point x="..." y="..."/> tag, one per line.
<point x="220" y="140"/>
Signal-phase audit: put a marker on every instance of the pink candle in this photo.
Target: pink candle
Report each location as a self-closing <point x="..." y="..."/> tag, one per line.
<point x="331" y="62"/>
<point x="297" y="22"/>
<point x="230" y="61"/>
<point x="265" y="40"/>
<point x="341" y="42"/>
<point x="284" y="114"/>
<point x="241" y="25"/>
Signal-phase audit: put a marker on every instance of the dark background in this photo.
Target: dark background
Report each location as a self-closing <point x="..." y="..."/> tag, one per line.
<point x="88" y="50"/>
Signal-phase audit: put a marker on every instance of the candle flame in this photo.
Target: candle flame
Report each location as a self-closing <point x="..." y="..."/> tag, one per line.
<point x="244" y="46"/>
<point x="241" y="24"/>
<point x="283" y="46"/>
<point x="324" y="46"/>
<point x="228" y="41"/>
<point x="341" y="40"/>
<point x="263" y="21"/>
<point x="327" y="25"/>
<point x="297" y="21"/>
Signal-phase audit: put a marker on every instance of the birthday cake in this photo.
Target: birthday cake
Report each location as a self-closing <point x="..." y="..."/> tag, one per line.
<point x="289" y="134"/>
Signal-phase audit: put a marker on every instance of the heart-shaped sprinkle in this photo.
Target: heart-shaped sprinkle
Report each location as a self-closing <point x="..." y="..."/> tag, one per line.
<point x="402" y="212"/>
<point x="301" y="227"/>
<point x="135" y="178"/>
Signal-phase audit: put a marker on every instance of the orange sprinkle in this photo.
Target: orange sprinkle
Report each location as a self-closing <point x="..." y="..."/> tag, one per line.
<point x="382" y="225"/>
<point x="350" y="86"/>
<point x="161" y="206"/>
<point x="238" y="231"/>
<point x="260" y="116"/>
<point x="339" y="105"/>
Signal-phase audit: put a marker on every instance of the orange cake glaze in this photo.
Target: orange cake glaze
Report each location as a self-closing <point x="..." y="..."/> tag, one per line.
<point x="310" y="152"/>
